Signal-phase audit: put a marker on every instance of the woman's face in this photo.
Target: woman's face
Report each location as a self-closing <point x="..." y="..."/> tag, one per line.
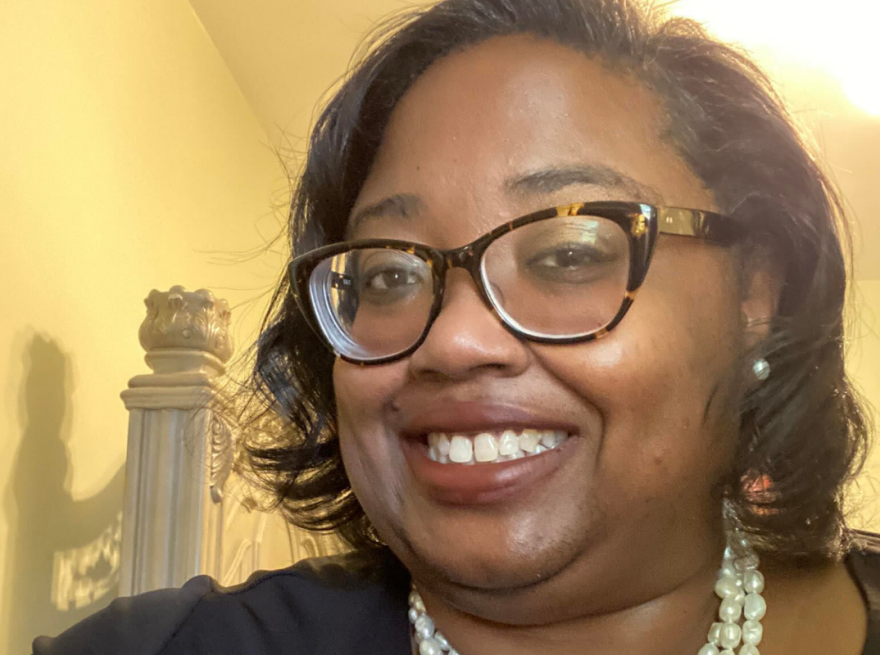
<point x="627" y="505"/>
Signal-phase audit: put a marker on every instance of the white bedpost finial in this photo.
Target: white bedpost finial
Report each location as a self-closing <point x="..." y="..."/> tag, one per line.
<point x="180" y="320"/>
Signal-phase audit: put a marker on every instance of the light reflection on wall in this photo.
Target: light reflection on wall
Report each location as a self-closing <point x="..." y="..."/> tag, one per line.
<point x="82" y="576"/>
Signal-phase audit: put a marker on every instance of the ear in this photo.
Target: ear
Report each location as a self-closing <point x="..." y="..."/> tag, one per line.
<point x="761" y="286"/>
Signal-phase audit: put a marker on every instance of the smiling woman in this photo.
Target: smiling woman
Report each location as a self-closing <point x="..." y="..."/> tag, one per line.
<point x="559" y="356"/>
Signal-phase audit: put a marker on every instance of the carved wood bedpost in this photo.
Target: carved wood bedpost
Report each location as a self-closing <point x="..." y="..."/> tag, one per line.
<point x="187" y="510"/>
<point x="180" y="449"/>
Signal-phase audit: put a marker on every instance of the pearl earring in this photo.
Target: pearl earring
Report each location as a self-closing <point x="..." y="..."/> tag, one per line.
<point x="761" y="369"/>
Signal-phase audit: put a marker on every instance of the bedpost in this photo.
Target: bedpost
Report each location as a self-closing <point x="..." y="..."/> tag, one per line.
<point x="180" y="447"/>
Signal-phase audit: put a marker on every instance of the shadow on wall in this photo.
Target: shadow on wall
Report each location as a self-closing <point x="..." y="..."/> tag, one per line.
<point x="63" y="561"/>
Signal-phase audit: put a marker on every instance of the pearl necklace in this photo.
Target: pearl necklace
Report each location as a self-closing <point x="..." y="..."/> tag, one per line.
<point x="739" y="587"/>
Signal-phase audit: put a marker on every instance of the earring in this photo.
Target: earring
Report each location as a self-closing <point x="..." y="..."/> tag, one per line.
<point x="761" y="369"/>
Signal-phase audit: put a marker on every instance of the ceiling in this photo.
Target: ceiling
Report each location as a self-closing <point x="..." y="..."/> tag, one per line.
<point x="286" y="54"/>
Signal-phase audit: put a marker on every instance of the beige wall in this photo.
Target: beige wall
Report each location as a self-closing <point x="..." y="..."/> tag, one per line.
<point x="863" y="362"/>
<point x="129" y="159"/>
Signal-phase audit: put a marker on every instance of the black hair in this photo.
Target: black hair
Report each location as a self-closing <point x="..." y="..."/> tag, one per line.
<point x="802" y="429"/>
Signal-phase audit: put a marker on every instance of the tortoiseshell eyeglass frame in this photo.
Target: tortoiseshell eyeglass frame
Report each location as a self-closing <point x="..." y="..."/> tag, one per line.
<point x="642" y="223"/>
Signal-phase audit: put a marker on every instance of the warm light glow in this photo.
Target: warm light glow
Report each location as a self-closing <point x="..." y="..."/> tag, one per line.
<point x="840" y="38"/>
<point x="861" y="90"/>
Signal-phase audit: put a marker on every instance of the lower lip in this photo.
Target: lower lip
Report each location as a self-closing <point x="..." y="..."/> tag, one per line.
<point x="482" y="484"/>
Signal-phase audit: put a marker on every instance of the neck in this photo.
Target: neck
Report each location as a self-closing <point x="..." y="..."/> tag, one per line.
<point x="675" y="621"/>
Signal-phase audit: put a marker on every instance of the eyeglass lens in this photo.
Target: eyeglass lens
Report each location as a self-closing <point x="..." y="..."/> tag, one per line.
<point x="561" y="277"/>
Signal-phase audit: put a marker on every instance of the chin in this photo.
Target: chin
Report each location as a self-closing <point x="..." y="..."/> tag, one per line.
<point x="518" y="567"/>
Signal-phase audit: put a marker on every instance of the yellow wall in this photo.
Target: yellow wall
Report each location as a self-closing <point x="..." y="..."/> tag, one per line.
<point x="863" y="362"/>
<point x="128" y="159"/>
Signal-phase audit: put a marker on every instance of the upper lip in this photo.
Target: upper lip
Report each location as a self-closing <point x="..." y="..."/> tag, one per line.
<point x="468" y="417"/>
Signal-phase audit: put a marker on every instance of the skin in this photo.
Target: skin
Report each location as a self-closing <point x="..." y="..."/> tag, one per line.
<point x="619" y="548"/>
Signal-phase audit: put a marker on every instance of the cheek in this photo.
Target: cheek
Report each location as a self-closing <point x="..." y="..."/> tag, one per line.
<point x="364" y="392"/>
<point x="364" y="408"/>
<point x="663" y="380"/>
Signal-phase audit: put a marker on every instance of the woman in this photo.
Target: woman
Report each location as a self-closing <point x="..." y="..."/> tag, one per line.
<point x="562" y="350"/>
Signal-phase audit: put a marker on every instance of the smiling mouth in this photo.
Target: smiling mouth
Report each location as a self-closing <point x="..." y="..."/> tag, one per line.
<point x="492" y="447"/>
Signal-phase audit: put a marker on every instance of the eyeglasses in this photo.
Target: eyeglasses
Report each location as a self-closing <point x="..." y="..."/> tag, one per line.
<point x="562" y="275"/>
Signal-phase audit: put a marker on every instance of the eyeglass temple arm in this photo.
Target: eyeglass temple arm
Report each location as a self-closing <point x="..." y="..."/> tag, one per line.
<point x="696" y="223"/>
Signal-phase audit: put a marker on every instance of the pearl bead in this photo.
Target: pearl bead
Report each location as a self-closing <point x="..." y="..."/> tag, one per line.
<point x="730" y="610"/>
<point x="430" y="647"/>
<point x="417" y="602"/>
<point x="440" y="639"/>
<point x="730" y="635"/>
<point x="753" y="631"/>
<point x="424" y="626"/>
<point x="727" y="651"/>
<point x="728" y="568"/>
<point x="748" y="649"/>
<point x="761" y="369"/>
<point x="753" y="582"/>
<point x="714" y="636"/>
<point x="412" y="614"/>
<point x="725" y="586"/>
<point x="708" y="649"/>
<point x="755" y="607"/>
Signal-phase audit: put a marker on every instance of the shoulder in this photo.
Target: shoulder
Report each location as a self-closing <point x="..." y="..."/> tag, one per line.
<point x="863" y="560"/>
<point x="146" y="620"/>
<point x="323" y="605"/>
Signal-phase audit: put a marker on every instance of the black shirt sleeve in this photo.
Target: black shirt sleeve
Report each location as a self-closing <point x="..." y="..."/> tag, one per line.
<point x="325" y="606"/>
<point x="139" y="625"/>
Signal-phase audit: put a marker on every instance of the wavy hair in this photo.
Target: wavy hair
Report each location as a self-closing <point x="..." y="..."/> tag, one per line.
<point x="802" y="429"/>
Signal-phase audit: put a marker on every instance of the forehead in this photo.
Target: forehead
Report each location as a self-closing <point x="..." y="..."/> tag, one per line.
<point x="514" y="105"/>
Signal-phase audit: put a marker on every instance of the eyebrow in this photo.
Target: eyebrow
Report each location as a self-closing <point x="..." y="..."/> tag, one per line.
<point x="548" y="180"/>
<point x="400" y="205"/>
<point x="543" y="181"/>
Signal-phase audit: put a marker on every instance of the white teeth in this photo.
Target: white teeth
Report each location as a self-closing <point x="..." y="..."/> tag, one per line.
<point x="552" y="439"/>
<point x="438" y="447"/>
<point x="509" y="443"/>
<point x="440" y="442"/>
<point x="528" y="440"/>
<point x="486" y="447"/>
<point x="461" y="449"/>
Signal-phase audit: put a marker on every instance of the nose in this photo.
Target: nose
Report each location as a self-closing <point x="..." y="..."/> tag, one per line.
<point x="468" y="338"/>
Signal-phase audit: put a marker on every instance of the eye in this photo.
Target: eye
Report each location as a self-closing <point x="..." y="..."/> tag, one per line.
<point x="569" y="262"/>
<point x="567" y="256"/>
<point x="388" y="278"/>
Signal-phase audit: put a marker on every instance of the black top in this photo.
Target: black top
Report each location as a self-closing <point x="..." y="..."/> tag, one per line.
<point x="326" y="606"/>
